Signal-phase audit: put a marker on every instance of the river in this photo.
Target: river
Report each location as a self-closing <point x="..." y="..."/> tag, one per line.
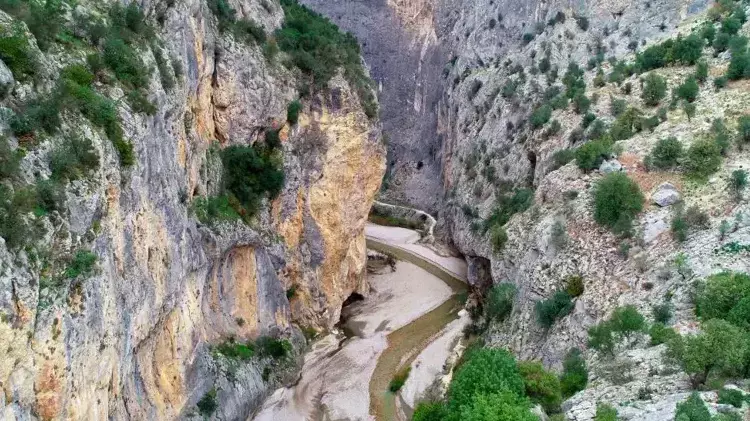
<point x="410" y="318"/>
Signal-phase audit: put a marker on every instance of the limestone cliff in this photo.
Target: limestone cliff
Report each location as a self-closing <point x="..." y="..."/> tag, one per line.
<point x="132" y="339"/>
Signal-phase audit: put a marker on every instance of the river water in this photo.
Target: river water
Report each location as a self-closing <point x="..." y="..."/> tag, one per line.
<point x="346" y="377"/>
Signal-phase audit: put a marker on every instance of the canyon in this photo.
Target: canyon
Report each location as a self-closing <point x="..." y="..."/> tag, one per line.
<point x="185" y="189"/>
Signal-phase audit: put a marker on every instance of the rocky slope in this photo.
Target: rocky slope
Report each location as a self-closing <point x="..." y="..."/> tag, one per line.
<point x="131" y="337"/>
<point x="502" y="56"/>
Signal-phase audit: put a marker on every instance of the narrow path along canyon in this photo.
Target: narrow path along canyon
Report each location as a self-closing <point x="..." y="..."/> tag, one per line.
<point x="410" y="318"/>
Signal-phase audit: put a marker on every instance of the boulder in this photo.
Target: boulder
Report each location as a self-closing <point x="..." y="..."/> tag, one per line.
<point x="610" y="166"/>
<point x="665" y="195"/>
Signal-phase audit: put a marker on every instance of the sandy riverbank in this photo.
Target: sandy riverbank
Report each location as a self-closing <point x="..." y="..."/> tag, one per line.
<point x="336" y="375"/>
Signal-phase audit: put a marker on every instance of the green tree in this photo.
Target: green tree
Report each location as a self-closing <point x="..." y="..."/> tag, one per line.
<point x="500" y="406"/>
<point x="743" y="130"/>
<point x="575" y="375"/>
<point x="498" y="238"/>
<point x="485" y="371"/>
<point x="739" y="66"/>
<point x="541" y="116"/>
<point x="601" y="338"/>
<point x="654" y="89"/>
<point x="500" y="301"/>
<point x="590" y="155"/>
<point x="701" y="71"/>
<point x="738" y="183"/>
<point x="667" y="153"/>
<point x="703" y="158"/>
<point x="720" y="347"/>
<point x="430" y="411"/>
<point x="542" y="386"/>
<point x="581" y="103"/>
<point x="616" y="198"/>
<point x="720" y="293"/>
<point x="688" y="90"/>
<point x="627" y="320"/>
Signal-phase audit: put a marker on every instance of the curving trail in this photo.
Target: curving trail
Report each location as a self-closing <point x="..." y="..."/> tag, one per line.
<point x="407" y="311"/>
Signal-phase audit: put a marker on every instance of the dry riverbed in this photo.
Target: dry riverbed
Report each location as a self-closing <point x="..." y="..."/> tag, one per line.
<point x="336" y="377"/>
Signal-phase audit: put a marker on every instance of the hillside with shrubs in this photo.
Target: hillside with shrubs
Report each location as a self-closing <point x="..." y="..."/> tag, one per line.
<point x="596" y="179"/>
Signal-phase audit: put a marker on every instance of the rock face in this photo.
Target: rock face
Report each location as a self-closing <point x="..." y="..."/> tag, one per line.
<point x="400" y="45"/>
<point x="132" y="341"/>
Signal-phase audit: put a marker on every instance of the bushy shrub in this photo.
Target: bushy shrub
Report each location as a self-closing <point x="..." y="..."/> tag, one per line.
<point x="574" y="285"/>
<point x="540" y="116"/>
<point x="213" y="209"/>
<point x="542" y="386"/>
<point x="508" y="205"/>
<point x="15" y="228"/>
<point x="498" y="238"/>
<point x="692" y="409"/>
<point x="575" y="375"/>
<point x="292" y="112"/>
<point x="721" y="135"/>
<point x="703" y="158"/>
<point x="44" y="19"/>
<point x="581" y="103"/>
<point x="617" y="106"/>
<point x="73" y="159"/>
<point x="207" y="405"/>
<point x="701" y="71"/>
<point x="430" y="411"/>
<point x="125" y="63"/>
<point x="688" y="90"/>
<point x="82" y="264"/>
<point x="236" y="350"/>
<point x="9" y="160"/>
<point x="601" y="338"/>
<point x="574" y="82"/>
<point x="739" y="66"/>
<point x="252" y="173"/>
<point x="273" y="347"/>
<point x="590" y="155"/>
<point x="617" y="198"/>
<point x="667" y="153"/>
<point x="732" y="397"/>
<point x="738" y="183"/>
<point x="661" y="334"/>
<point x="626" y="321"/>
<point x="720" y="82"/>
<point x="500" y="301"/>
<point x="721" y="292"/>
<point x="743" y="129"/>
<point x="398" y="380"/>
<point x="731" y="25"/>
<point x="654" y="89"/>
<point x="662" y="312"/>
<point x="165" y="68"/>
<point x="556" y="307"/>
<point x="562" y="157"/>
<point x="139" y="103"/>
<point x="626" y="124"/>
<point x="605" y="412"/>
